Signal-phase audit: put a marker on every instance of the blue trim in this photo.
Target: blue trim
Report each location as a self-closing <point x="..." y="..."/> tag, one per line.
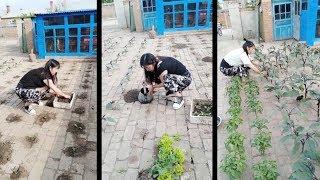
<point x="308" y="22"/>
<point x="40" y="39"/>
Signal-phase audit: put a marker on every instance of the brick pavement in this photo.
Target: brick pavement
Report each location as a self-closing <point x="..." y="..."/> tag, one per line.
<point x="131" y="130"/>
<point x="44" y="160"/>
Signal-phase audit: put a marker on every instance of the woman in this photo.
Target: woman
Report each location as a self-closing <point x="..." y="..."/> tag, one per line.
<point x="166" y="72"/>
<point x="238" y="61"/>
<point x="34" y="85"/>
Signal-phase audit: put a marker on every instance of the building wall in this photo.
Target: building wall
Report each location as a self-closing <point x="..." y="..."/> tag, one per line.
<point x="235" y="19"/>
<point x="137" y="15"/>
<point x="108" y="11"/>
<point x="8" y="29"/>
<point x="224" y="19"/>
<point x="29" y="34"/>
<point x="250" y="28"/>
<point x="120" y="13"/>
<point x="266" y="21"/>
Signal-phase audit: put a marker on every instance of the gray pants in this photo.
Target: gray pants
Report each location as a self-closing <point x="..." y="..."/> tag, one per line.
<point x="174" y="83"/>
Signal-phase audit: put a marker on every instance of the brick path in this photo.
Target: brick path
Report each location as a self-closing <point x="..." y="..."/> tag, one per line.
<point x="124" y="150"/>
<point x="279" y="151"/>
<point x="45" y="160"/>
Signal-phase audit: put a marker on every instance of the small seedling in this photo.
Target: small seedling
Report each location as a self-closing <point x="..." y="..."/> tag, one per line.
<point x="45" y="117"/>
<point x="76" y="128"/>
<point x="21" y="172"/>
<point x="79" y="110"/>
<point x="83" y="95"/>
<point x="6" y="152"/>
<point x="75" y="151"/>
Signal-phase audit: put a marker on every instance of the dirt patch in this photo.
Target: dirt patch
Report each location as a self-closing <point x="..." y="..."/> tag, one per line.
<point x="144" y="133"/>
<point x="2" y="87"/>
<point x="16" y="77"/>
<point x="8" y="82"/>
<point x="13" y="118"/>
<point x="87" y="75"/>
<point x="89" y="145"/>
<point x="64" y="176"/>
<point x="202" y="109"/>
<point x="180" y="46"/>
<point x="75" y="151"/>
<point x="131" y="96"/>
<point x="191" y="48"/>
<point x="207" y="59"/>
<point x="144" y="175"/>
<point x="62" y="86"/>
<point x="158" y="50"/>
<point x="79" y="110"/>
<point x="76" y="127"/>
<point x="45" y="116"/>
<point x="31" y="140"/>
<point x="85" y="86"/>
<point x="86" y="81"/>
<point x="65" y="100"/>
<point x="21" y="172"/>
<point x="5" y="152"/>
<point x="3" y="102"/>
<point x="83" y="95"/>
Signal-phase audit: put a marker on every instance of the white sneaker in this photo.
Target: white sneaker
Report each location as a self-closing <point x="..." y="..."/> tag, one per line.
<point x="30" y="111"/>
<point x="178" y="103"/>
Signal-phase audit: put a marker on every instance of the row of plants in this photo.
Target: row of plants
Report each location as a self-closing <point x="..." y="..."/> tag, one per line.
<point x="293" y="75"/>
<point x="265" y="168"/>
<point x="170" y="160"/>
<point x="234" y="163"/>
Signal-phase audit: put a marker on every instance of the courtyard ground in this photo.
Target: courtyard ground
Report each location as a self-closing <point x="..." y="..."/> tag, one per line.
<point x="279" y="151"/>
<point x="132" y="130"/>
<point x="45" y="159"/>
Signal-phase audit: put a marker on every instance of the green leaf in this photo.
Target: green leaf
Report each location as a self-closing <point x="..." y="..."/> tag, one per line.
<point x="287" y="137"/>
<point x="296" y="147"/>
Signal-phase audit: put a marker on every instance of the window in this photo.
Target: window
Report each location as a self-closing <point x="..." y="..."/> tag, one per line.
<point x="304" y="5"/>
<point x="149" y="5"/>
<point x="79" y="19"/>
<point x="297" y="7"/>
<point x="282" y="11"/>
<point x="51" y="21"/>
<point x="318" y="25"/>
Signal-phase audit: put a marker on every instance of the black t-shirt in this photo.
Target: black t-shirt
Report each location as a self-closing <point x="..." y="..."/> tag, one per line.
<point x="34" y="79"/>
<point x="172" y="65"/>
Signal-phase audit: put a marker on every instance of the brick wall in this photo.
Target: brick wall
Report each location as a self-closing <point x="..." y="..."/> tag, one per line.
<point x="266" y="21"/>
<point x="137" y="15"/>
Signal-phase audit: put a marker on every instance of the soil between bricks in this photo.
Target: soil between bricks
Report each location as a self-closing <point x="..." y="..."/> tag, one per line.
<point x="131" y="96"/>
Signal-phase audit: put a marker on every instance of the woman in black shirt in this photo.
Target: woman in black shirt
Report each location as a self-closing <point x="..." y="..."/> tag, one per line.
<point x="166" y="72"/>
<point x="33" y="85"/>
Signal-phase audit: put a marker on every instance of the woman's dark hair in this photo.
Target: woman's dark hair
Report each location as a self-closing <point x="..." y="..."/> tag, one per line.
<point x="52" y="63"/>
<point x="246" y="45"/>
<point x="147" y="59"/>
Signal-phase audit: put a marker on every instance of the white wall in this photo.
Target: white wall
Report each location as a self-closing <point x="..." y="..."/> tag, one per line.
<point x="120" y="13"/>
<point x="235" y="20"/>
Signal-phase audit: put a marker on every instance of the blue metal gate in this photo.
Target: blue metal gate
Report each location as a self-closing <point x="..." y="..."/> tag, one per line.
<point x="177" y="15"/>
<point x="282" y="16"/>
<point x="149" y="14"/>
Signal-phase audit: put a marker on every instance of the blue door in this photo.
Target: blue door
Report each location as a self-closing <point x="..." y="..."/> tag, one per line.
<point x="149" y="14"/>
<point x="282" y="14"/>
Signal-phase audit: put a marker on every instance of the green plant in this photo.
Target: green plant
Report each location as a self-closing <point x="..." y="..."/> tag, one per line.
<point x="235" y="142"/>
<point x="234" y="164"/>
<point x="262" y="141"/>
<point x="259" y="123"/>
<point x="170" y="160"/>
<point x="265" y="170"/>
<point x="305" y="166"/>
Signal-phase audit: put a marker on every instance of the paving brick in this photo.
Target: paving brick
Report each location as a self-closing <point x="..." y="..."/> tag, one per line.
<point x="148" y="144"/>
<point x="134" y="158"/>
<point x="207" y="144"/>
<point x="47" y="174"/>
<point x="202" y="172"/>
<point x="125" y="149"/>
<point x="160" y="129"/>
<point x="114" y="146"/>
<point x="131" y="174"/>
<point x="117" y="136"/>
<point x="77" y="168"/>
<point x="198" y="155"/>
<point x="146" y="159"/>
<point x="128" y="133"/>
<point x="65" y="162"/>
<point x="110" y="157"/>
<point x="52" y="163"/>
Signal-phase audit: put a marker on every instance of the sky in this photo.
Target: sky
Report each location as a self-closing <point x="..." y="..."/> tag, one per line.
<point x="42" y="5"/>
